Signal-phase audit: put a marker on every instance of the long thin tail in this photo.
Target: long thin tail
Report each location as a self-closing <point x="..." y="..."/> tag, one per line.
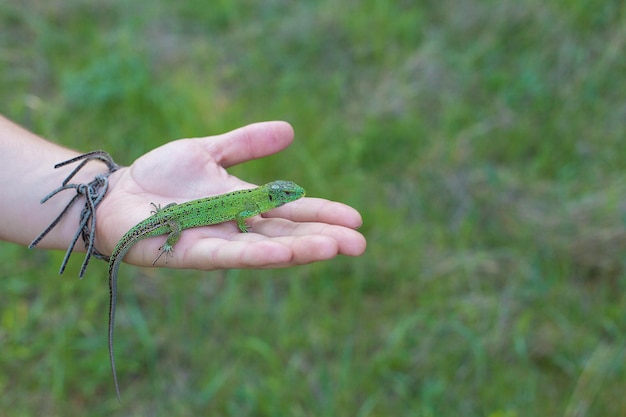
<point x="113" y="270"/>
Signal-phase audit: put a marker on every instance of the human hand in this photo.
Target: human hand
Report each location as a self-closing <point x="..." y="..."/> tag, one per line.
<point x="300" y="232"/>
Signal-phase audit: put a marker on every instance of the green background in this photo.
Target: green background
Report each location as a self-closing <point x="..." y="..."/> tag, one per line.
<point x="483" y="142"/>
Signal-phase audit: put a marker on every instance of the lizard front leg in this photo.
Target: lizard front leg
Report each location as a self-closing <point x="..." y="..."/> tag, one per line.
<point x="251" y="209"/>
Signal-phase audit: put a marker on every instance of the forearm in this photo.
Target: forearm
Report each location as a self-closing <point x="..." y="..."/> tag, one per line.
<point x="28" y="174"/>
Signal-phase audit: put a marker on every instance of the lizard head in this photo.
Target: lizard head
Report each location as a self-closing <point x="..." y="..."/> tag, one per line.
<point x="281" y="192"/>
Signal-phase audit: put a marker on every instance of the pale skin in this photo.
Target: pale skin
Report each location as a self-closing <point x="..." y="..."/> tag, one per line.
<point x="301" y="232"/>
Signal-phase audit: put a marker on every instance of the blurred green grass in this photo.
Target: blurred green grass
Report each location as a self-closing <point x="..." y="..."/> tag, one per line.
<point x="483" y="142"/>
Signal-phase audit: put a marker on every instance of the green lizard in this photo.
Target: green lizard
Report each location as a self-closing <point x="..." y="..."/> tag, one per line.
<point x="174" y="218"/>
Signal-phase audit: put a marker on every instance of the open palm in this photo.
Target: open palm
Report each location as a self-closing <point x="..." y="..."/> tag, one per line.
<point x="304" y="231"/>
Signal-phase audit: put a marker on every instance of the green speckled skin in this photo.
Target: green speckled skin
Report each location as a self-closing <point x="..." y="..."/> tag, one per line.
<point x="174" y="218"/>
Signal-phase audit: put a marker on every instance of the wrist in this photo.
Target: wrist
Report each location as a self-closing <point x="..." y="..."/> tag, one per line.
<point x="88" y="195"/>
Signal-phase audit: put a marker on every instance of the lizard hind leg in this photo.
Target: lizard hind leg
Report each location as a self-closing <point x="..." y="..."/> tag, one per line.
<point x="157" y="207"/>
<point x="168" y="247"/>
<point x="165" y="249"/>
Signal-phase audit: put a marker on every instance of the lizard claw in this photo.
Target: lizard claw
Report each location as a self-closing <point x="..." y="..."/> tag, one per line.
<point x="165" y="249"/>
<point x="157" y="207"/>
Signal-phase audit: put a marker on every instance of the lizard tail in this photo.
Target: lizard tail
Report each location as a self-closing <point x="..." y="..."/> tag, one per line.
<point x="113" y="269"/>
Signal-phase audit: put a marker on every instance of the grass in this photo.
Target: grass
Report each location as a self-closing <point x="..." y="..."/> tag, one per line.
<point x="481" y="140"/>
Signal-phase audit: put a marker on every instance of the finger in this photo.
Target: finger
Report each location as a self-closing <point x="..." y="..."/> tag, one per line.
<point x="318" y="210"/>
<point x="348" y="241"/>
<point x="340" y="240"/>
<point x="249" y="142"/>
<point x="300" y="244"/>
<point x="209" y="254"/>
